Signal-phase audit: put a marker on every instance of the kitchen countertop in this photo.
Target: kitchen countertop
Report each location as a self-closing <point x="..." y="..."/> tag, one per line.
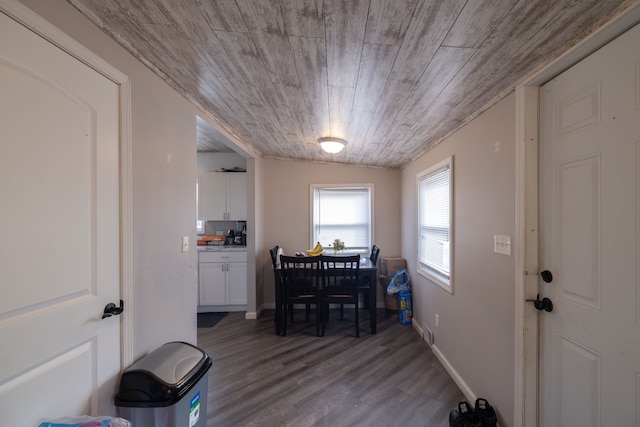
<point x="223" y="248"/>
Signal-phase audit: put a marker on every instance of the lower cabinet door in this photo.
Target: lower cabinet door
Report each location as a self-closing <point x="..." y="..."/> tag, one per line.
<point x="212" y="279"/>
<point x="237" y="286"/>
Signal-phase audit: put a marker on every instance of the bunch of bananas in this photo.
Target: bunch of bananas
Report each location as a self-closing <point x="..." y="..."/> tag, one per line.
<point x="317" y="250"/>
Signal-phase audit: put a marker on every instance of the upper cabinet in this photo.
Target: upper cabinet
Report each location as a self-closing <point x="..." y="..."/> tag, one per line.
<point x="222" y="196"/>
<point x="237" y="196"/>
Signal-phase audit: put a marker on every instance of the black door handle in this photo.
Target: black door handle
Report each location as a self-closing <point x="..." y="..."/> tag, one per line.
<point x="542" y="304"/>
<point x="112" y="310"/>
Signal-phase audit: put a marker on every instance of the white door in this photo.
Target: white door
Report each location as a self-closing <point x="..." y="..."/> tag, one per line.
<point x="590" y="240"/>
<point x="59" y="232"/>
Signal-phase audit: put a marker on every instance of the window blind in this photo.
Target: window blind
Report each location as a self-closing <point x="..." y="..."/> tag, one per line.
<point x="342" y="213"/>
<point x="434" y="222"/>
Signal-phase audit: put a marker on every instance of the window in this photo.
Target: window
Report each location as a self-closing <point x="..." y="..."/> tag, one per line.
<point x="434" y="223"/>
<point x="342" y="212"/>
<point x="199" y="222"/>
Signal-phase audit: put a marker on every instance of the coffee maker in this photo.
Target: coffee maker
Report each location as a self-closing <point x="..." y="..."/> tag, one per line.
<point x="230" y="237"/>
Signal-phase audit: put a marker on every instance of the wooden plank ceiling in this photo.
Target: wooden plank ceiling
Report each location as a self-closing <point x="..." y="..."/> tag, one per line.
<point x="393" y="77"/>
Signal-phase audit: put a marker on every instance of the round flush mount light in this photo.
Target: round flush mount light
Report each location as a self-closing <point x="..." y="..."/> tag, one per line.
<point x="332" y="145"/>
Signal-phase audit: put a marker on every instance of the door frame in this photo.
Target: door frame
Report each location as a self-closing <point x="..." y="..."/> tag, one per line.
<point x="526" y="322"/>
<point x="25" y="16"/>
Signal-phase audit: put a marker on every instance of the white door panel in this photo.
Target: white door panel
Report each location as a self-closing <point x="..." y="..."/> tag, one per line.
<point x="590" y="236"/>
<point x="59" y="257"/>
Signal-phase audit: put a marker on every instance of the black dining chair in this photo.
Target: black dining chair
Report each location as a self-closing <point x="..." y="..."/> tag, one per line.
<point x="364" y="285"/>
<point x="274" y="262"/>
<point x="301" y="284"/>
<point x="340" y="276"/>
<point x="274" y="256"/>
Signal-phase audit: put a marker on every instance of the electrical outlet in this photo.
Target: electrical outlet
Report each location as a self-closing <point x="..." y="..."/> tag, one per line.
<point x="437" y="320"/>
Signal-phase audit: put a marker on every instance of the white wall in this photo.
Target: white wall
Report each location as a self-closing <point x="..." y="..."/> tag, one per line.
<point x="287" y="208"/>
<point x="212" y="162"/>
<point x="476" y="333"/>
<point x="164" y="200"/>
<point x="255" y="236"/>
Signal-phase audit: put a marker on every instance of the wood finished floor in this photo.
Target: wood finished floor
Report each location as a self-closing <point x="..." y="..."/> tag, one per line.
<point x="260" y="379"/>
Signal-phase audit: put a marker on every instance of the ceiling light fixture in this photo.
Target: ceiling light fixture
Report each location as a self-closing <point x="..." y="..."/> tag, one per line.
<point x="332" y="145"/>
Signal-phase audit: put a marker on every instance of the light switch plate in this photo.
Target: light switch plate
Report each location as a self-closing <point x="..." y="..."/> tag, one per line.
<point x="502" y="244"/>
<point x="185" y="243"/>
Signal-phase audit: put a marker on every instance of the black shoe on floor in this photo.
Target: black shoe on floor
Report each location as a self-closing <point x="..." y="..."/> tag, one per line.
<point x="468" y="415"/>
<point x="486" y="413"/>
<point x="454" y="419"/>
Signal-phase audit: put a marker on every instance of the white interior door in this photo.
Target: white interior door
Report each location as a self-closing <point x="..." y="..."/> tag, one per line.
<point x="59" y="234"/>
<point x="590" y="239"/>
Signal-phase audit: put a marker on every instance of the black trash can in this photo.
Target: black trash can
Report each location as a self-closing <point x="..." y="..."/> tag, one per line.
<point x="166" y="388"/>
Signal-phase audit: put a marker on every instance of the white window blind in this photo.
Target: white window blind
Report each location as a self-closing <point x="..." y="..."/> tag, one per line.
<point x="434" y="222"/>
<point x="342" y="213"/>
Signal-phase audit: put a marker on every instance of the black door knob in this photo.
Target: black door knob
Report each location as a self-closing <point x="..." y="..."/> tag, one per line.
<point x="112" y="310"/>
<point x="546" y="276"/>
<point x="543" y="304"/>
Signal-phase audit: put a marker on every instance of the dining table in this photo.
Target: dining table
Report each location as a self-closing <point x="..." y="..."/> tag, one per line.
<point x="367" y="270"/>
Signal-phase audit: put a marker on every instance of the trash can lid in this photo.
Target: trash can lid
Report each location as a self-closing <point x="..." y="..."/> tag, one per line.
<point x="163" y="376"/>
<point x="171" y="363"/>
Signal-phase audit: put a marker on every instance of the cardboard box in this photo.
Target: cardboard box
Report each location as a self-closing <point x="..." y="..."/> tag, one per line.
<point x="389" y="265"/>
<point x="390" y="300"/>
<point x="384" y="281"/>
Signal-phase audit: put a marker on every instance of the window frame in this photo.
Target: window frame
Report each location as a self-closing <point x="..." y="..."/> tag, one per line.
<point x="431" y="274"/>
<point x="369" y="187"/>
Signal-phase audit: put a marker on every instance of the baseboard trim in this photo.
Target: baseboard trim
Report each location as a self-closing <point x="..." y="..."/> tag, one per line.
<point x="253" y="315"/>
<point x="457" y="378"/>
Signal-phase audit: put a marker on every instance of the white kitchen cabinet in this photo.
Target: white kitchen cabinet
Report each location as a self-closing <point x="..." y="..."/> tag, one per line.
<point x="237" y="283"/>
<point x="222" y="278"/>
<point x="222" y="196"/>
<point x="237" y="196"/>
<point x="212" y="196"/>
<point x="212" y="282"/>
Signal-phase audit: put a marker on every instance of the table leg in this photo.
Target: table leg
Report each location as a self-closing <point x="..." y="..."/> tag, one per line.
<point x="373" y="312"/>
<point x="278" y="291"/>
